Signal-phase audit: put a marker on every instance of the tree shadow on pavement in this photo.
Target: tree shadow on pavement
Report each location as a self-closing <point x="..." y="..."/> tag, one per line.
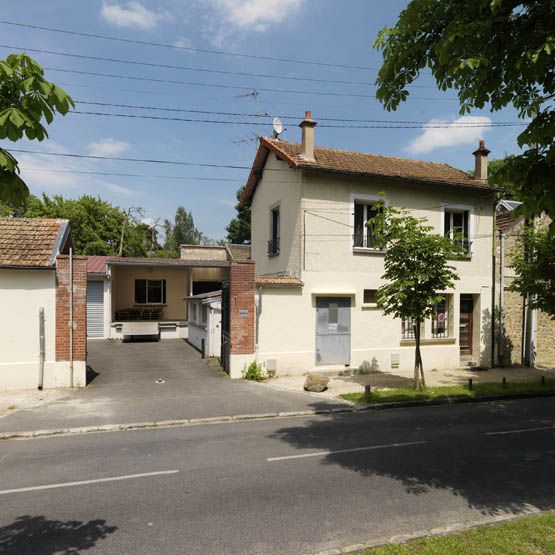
<point x="495" y="475"/>
<point x="38" y="535"/>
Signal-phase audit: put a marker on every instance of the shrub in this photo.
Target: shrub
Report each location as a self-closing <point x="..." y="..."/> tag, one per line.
<point x="254" y="372"/>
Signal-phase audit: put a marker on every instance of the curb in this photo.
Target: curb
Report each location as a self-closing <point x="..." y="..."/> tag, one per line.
<point x="161" y="424"/>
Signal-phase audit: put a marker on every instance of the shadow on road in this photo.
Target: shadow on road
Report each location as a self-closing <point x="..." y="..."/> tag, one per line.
<point x="505" y="474"/>
<point x="37" y="535"/>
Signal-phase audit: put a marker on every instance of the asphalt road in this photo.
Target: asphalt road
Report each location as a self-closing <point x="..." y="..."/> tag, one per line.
<point x="282" y="486"/>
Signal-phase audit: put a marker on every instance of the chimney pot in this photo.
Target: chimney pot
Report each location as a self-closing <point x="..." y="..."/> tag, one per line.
<point x="307" y="126"/>
<point x="481" y="162"/>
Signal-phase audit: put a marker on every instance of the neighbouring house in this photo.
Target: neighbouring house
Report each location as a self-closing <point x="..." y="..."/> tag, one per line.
<point x="204" y="322"/>
<point x="317" y="267"/>
<point x="524" y="336"/>
<point x="36" y="273"/>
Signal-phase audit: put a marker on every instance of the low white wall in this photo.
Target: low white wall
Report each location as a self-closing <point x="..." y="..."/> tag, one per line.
<point x="180" y="331"/>
<point x="25" y="375"/>
<point x="197" y="333"/>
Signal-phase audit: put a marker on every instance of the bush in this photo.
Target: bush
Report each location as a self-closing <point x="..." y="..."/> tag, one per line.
<point x="254" y="372"/>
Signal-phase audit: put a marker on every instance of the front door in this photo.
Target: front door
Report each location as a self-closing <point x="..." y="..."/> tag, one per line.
<point x="465" y="325"/>
<point x="333" y="330"/>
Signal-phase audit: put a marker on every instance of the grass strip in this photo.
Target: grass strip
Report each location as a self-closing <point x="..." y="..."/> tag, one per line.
<point x="451" y="392"/>
<point x="531" y="535"/>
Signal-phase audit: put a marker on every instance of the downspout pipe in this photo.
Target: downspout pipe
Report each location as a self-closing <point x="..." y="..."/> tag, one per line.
<point x="42" y="349"/>
<point x="70" y="317"/>
<point x="501" y="331"/>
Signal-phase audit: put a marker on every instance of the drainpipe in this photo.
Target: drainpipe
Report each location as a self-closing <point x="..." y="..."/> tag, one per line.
<point x="70" y="317"/>
<point x="42" y="350"/>
<point x="501" y="334"/>
<point x="258" y="313"/>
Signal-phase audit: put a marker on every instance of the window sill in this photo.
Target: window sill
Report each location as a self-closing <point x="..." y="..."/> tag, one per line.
<point x="429" y="341"/>
<point x="273" y="254"/>
<point x="369" y="306"/>
<point x="367" y="250"/>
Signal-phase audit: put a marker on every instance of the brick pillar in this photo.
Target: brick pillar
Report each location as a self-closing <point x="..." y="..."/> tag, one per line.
<point x="79" y="308"/>
<point x="242" y="310"/>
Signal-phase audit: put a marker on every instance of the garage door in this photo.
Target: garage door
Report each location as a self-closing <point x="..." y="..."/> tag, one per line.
<point x="95" y="309"/>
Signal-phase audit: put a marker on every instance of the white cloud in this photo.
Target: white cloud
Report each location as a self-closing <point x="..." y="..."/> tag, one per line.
<point x="132" y="14"/>
<point x="450" y="135"/>
<point x="252" y="15"/>
<point x="183" y="42"/>
<point x="107" y="147"/>
<point x="119" y="189"/>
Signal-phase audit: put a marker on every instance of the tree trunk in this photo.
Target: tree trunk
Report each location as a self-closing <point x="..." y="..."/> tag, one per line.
<point x="120" y="251"/>
<point x="419" y="382"/>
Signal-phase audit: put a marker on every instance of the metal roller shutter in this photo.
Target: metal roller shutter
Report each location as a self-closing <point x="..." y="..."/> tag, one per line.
<point x="95" y="309"/>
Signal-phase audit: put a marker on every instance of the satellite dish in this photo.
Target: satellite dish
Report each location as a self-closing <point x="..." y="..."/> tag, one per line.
<point x="278" y="127"/>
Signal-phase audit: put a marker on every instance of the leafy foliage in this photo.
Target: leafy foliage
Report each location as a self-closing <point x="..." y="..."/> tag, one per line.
<point x="416" y="262"/>
<point x="533" y="260"/>
<point x="26" y="98"/>
<point x="495" y="53"/>
<point x="239" y="229"/>
<point x="182" y="232"/>
<point x="254" y="372"/>
<point x="95" y="223"/>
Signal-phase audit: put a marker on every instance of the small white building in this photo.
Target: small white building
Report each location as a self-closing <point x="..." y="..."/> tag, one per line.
<point x="205" y="322"/>
<point x="41" y="288"/>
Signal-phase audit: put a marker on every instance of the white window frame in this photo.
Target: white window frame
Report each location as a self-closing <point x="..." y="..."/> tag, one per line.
<point x="448" y="207"/>
<point x="367" y="199"/>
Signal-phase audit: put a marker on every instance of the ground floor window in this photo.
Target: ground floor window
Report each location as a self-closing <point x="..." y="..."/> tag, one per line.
<point x="440" y="319"/>
<point x="150" y="291"/>
<point x="408" y="327"/>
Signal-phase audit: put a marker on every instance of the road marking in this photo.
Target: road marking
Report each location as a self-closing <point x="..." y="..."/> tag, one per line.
<point x="354" y="449"/>
<point x="521" y="431"/>
<point x="85" y="482"/>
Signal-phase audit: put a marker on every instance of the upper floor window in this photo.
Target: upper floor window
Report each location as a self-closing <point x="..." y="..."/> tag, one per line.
<point x="365" y="235"/>
<point x="273" y="243"/>
<point x="150" y="291"/>
<point x="456" y="227"/>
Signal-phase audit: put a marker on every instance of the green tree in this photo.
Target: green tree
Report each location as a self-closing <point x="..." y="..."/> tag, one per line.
<point x="26" y="98"/>
<point x="239" y="229"/>
<point x="182" y="232"/>
<point x="96" y="224"/>
<point x="494" y="53"/>
<point x="416" y="262"/>
<point x="533" y="260"/>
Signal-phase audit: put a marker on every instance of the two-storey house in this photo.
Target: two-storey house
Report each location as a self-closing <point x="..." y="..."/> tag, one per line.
<point x="318" y="268"/>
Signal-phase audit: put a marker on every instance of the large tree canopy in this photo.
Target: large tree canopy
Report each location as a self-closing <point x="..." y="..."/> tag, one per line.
<point x="26" y="98"/>
<point x="494" y="53"/>
<point x="239" y="229"/>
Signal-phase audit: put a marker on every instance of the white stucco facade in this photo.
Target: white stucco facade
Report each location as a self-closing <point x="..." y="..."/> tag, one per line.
<point x="316" y="245"/>
<point x="23" y="292"/>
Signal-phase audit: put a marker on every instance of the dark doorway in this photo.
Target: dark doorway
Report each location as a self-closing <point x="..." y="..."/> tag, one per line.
<point x="465" y="324"/>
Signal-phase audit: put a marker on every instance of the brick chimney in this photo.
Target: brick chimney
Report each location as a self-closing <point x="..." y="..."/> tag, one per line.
<point x="307" y="126"/>
<point x="481" y="162"/>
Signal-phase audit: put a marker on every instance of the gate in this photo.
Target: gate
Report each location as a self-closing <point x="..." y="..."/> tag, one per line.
<point x="226" y="342"/>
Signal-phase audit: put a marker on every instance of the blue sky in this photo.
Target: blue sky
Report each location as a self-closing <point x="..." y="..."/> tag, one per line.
<point x="330" y="31"/>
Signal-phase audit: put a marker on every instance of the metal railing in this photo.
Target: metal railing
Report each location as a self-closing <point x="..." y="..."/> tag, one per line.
<point x="408" y="328"/>
<point x="273" y="247"/>
<point x="362" y="240"/>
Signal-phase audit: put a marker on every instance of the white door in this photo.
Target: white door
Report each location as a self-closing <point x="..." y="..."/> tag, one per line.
<point x="95" y="309"/>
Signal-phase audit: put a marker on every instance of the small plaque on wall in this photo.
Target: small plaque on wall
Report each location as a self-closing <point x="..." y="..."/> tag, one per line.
<point x="243" y="313"/>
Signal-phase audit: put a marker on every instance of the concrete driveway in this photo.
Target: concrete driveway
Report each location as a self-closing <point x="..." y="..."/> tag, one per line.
<point x="123" y="389"/>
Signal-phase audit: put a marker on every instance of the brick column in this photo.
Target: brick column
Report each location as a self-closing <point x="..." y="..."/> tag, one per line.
<point x="79" y="308"/>
<point x="242" y="309"/>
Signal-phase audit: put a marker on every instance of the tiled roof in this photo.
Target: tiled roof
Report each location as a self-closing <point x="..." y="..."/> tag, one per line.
<point x="31" y="242"/>
<point x="362" y="163"/>
<point x="240" y="253"/>
<point x="505" y="220"/>
<point x="279" y="281"/>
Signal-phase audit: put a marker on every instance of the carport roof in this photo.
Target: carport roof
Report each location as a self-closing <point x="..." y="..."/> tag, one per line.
<point x="99" y="264"/>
